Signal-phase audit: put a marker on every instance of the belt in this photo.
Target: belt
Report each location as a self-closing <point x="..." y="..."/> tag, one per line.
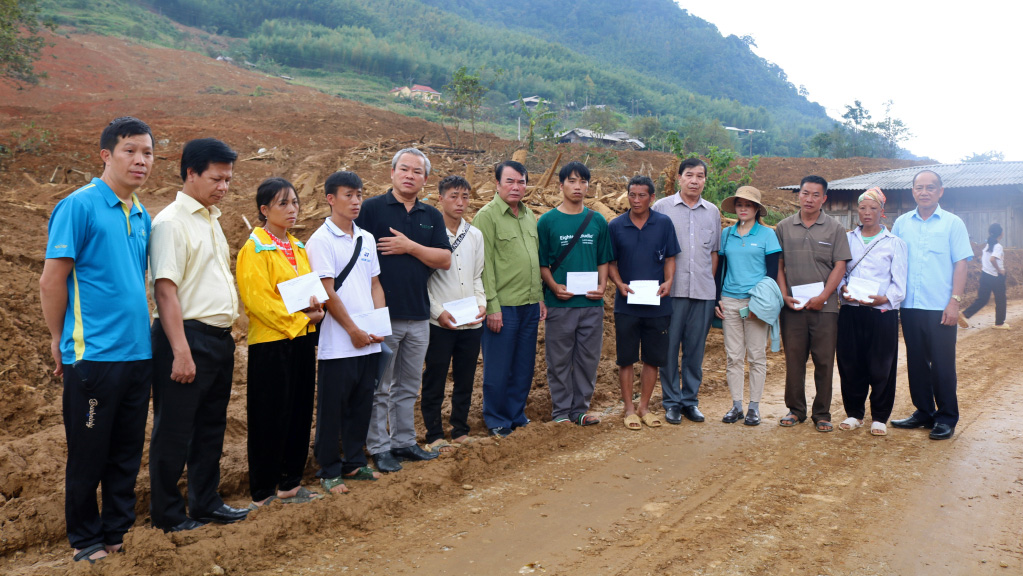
<point x="207" y="329"/>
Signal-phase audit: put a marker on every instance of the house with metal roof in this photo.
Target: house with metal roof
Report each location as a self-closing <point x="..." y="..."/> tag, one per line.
<point x="619" y="140"/>
<point x="978" y="192"/>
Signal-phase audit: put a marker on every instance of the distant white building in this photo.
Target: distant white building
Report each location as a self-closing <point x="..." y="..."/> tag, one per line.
<point x="530" y="102"/>
<point x="620" y="140"/>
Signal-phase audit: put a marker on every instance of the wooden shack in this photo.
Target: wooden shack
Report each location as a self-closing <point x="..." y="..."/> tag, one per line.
<point x="978" y="192"/>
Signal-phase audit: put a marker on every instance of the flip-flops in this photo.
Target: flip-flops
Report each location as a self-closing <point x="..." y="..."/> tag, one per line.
<point x="587" y="420"/>
<point x="301" y="497"/>
<point x="652" y="420"/>
<point x="85" y="553"/>
<point x="790" y="420"/>
<point x="823" y="426"/>
<point x="439" y="446"/>
<point x="254" y="506"/>
<point x="850" y="423"/>
<point x="632" y="422"/>
<point x="364" y="473"/>
<point x="330" y="483"/>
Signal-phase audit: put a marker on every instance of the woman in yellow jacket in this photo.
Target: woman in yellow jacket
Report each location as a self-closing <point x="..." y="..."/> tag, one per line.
<point x="282" y="353"/>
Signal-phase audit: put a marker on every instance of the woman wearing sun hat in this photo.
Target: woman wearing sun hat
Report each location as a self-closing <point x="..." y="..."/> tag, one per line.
<point x="868" y="327"/>
<point x="749" y="253"/>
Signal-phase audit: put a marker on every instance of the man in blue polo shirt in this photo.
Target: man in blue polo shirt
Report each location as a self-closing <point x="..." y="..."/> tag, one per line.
<point x="93" y="293"/>
<point x="412" y="242"/>
<point x="644" y="244"/>
<point x="939" y="248"/>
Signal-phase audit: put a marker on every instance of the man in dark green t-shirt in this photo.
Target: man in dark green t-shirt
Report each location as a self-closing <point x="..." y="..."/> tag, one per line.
<point x="574" y="325"/>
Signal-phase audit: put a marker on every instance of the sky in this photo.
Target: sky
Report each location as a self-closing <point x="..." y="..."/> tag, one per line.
<point x="951" y="69"/>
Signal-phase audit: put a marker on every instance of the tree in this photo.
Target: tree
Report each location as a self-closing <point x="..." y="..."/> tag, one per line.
<point x="466" y="92"/>
<point x="989" y="156"/>
<point x="600" y="119"/>
<point x="891" y="132"/>
<point x="20" y="42"/>
<point x="539" y="119"/>
<point x="856" y="118"/>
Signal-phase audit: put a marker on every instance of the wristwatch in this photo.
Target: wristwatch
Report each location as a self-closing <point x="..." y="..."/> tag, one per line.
<point x="957" y="298"/>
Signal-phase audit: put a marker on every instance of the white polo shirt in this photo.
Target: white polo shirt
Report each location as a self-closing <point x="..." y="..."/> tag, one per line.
<point x="329" y="251"/>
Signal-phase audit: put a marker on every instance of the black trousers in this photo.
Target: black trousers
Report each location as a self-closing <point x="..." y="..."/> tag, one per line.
<point x="279" y="406"/>
<point x="344" y="399"/>
<point x="188" y="423"/>
<point x="459" y="349"/>
<point x="989" y="284"/>
<point x="867" y="355"/>
<point x="931" y="365"/>
<point x="106" y="405"/>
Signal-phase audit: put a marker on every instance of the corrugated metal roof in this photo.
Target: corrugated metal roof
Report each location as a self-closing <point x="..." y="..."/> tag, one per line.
<point x="965" y="175"/>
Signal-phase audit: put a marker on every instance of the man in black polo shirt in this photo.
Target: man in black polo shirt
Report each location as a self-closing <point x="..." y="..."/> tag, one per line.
<point x="412" y="242"/>
<point x="644" y="244"/>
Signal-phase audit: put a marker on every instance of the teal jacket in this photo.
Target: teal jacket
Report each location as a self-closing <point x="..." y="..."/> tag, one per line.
<point x="765" y="300"/>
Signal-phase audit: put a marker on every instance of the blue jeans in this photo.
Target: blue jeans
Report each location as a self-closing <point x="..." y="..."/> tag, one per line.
<point x="509" y="359"/>
<point x="690" y="322"/>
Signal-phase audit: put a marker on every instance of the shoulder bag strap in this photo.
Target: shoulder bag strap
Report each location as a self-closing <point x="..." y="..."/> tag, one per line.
<point x="351" y="264"/>
<point x="571" y="243"/>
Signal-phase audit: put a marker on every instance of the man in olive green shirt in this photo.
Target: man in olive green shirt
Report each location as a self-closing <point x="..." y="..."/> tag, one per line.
<point x="515" y="308"/>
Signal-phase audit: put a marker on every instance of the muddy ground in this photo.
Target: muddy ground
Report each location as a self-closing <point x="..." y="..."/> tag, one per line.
<point x="692" y="499"/>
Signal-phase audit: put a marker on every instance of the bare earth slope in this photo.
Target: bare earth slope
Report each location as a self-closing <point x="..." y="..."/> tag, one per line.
<point x="705" y="498"/>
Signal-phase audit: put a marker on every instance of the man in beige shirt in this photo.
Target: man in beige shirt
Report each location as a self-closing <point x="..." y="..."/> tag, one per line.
<point x="193" y="351"/>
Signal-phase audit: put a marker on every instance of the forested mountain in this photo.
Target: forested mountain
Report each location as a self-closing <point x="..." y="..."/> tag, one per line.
<point x="655" y="37"/>
<point x="641" y="57"/>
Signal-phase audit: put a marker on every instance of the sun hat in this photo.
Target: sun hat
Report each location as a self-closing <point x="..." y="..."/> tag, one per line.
<point x="747" y="193"/>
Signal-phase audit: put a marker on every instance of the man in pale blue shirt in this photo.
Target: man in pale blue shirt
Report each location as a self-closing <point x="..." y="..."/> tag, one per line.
<point x="939" y="248"/>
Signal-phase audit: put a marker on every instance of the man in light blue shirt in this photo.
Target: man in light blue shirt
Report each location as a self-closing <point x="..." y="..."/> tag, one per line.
<point x="939" y="248"/>
<point x="93" y="292"/>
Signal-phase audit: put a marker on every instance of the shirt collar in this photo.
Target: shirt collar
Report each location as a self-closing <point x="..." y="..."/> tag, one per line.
<point x="677" y="199"/>
<point x="734" y="230"/>
<point x="650" y="220"/>
<point x="798" y="220"/>
<point x="193" y="205"/>
<point x="461" y="226"/>
<point x="339" y="232"/>
<point x="937" y="212"/>
<point x="506" y="208"/>
<point x="111" y="198"/>
<point x="390" y="198"/>
<point x="858" y="231"/>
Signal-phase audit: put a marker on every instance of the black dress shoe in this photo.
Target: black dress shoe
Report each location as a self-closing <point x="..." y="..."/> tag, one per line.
<point x="188" y="524"/>
<point x="692" y="413"/>
<point x="225" y="515"/>
<point x="942" y="431"/>
<point x="500" y="432"/>
<point x="752" y="418"/>
<point x="733" y="415"/>
<point x="914" y="421"/>
<point x="385" y="462"/>
<point x="413" y="452"/>
<point x="673" y="416"/>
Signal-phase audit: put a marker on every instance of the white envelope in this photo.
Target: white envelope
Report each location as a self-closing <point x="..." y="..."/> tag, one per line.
<point x="376" y="322"/>
<point x="296" y="292"/>
<point x="579" y="283"/>
<point x="804" y="292"/>
<point x="862" y="289"/>
<point x="464" y="311"/>
<point x="644" y="292"/>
